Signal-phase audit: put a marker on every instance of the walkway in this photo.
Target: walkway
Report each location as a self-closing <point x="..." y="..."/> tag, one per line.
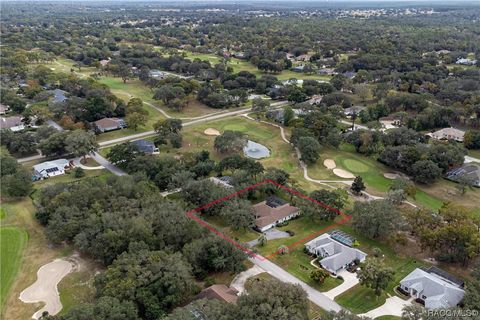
<point x="314" y="295"/>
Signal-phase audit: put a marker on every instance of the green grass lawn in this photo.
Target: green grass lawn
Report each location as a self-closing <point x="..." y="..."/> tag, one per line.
<point x="3" y="214"/>
<point x="67" y="178"/>
<point x="360" y="299"/>
<point x="388" y="318"/>
<point x="76" y="288"/>
<point x="241" y="235"/>
<point x="12" y="243"/>
<point x="243" y="65"/>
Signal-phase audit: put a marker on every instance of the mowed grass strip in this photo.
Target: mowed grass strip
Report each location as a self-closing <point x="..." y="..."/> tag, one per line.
<point x="12" y="243"/>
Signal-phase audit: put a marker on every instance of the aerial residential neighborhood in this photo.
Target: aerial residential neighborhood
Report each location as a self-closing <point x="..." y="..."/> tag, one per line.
<point x="253" y="160"/>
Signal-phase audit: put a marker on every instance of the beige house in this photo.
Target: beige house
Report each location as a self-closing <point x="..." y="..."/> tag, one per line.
<point x="448" y="134"/>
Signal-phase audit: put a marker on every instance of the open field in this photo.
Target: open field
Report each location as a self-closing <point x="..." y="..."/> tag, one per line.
<point x="12" y="243"/>
<point x="242" y="65"/>
<point x="76" y="288"/>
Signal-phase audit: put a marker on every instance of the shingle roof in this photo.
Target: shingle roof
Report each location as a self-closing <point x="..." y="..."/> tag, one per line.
<point x="449" y="133"/>
<point x="266" y="214"/>
<point x="220" y="292"/>
<point x="336" y="254"/>
<point x="9" y="122"/>
<point x="439" y="292"/>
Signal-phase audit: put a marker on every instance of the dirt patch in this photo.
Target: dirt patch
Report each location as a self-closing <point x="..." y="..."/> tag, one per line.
<point x="343" y="174"/>
<point x="211" y="132"/>
<point x="44" y="289"/>
<point x="329" y="164"/>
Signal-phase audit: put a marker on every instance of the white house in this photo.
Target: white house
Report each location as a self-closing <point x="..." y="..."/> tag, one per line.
<point x="50" y="168"/>
<point x="435" y="287"/>
<point x="335" y="251"/>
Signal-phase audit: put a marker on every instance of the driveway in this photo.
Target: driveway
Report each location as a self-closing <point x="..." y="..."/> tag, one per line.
<point x="349" y="281"/>
<point x="314" y="295"/>
<point x="239" y="281"/>
<point x="270" y="234"/>
<point x="392" y="307"/>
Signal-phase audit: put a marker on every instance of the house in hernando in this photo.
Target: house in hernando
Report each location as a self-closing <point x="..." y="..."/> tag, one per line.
<point x="224" y="181"/>
<point x="4" y="109"/>
<point x="219" y="292"/>
<point x="109" y="124"/>
<point x="469" y="172"/>
<point x="335" y="251"/>
<point x="13" y="123"/>
<point x="273" y="211"/>
<point x="49" y="169"/>
<point x="433" y="287"/>
<point x="448" y="134"/>
<point x="145" y="146"/>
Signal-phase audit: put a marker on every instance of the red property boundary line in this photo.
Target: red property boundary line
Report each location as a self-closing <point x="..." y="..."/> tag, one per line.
<point x="192" y="214"/>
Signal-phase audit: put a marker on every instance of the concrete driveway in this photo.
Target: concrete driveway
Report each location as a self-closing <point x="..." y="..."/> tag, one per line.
<point x="392" y="307"/>
<point x="239" y="281"/>
<point x="349" y="280"/>
<point x="270" y="234"/>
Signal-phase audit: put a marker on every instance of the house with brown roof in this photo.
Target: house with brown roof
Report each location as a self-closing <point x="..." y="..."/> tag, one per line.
<point x="109" y="124"/>
<point x="273" y="211"/>
<point x="448" y="134"/>
<point x="13" y="123"/>
<point x="4" y="108"/>
<point x="219" y="292"/>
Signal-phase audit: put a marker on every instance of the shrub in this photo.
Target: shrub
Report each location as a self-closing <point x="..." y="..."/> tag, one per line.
<point x="78" y="172"/>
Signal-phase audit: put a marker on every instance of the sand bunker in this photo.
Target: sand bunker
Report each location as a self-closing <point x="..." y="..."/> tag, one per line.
<point x="330" y="164"/>
<point x="45" y="288"/>
<point x="391" y="176"/>
<point x="343" y="174"/>
<point x="211" y="132"/>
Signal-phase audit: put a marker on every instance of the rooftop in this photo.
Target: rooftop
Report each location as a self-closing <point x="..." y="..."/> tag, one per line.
<point x="220" y="292"/>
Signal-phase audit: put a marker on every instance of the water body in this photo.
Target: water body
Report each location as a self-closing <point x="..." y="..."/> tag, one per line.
<point x="256" y="150"/>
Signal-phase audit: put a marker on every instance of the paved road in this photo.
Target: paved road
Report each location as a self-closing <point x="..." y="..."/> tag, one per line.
<point x="107" y="165"/>
<point x="313" y="295"/>
<point x="185" y="124"/>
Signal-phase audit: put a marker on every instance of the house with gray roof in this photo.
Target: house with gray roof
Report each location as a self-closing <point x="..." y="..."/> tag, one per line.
<point x="334" y="251"/>
<point x="469" y="172"/>
<point x="59" y="96"/>
<point x="13" y="123"/>
<point x="434" y="287"/>
<point x="145" y="146"/>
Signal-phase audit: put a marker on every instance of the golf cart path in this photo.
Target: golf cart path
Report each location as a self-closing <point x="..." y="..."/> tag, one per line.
<point x="44" y="289"/>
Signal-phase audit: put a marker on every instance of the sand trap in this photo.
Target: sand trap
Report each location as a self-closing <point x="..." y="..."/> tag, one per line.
<point x="45" y="288"/>
<point x="211" y="132"/>
<point x="343" y="173"/>
<point x="391" y="176"/>
<point x="329" y="163"/>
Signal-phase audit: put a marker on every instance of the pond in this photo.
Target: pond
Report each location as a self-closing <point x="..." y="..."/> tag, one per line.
<point x="256" y="150"/>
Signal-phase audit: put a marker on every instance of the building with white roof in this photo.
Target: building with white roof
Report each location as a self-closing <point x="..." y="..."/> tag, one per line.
<point x="435" y="287"/>
<point x="334" y="252"/>
<point x="50" y="168"/>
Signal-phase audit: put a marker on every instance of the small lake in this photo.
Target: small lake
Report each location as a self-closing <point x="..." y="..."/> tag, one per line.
<point x="256" y="150"/>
